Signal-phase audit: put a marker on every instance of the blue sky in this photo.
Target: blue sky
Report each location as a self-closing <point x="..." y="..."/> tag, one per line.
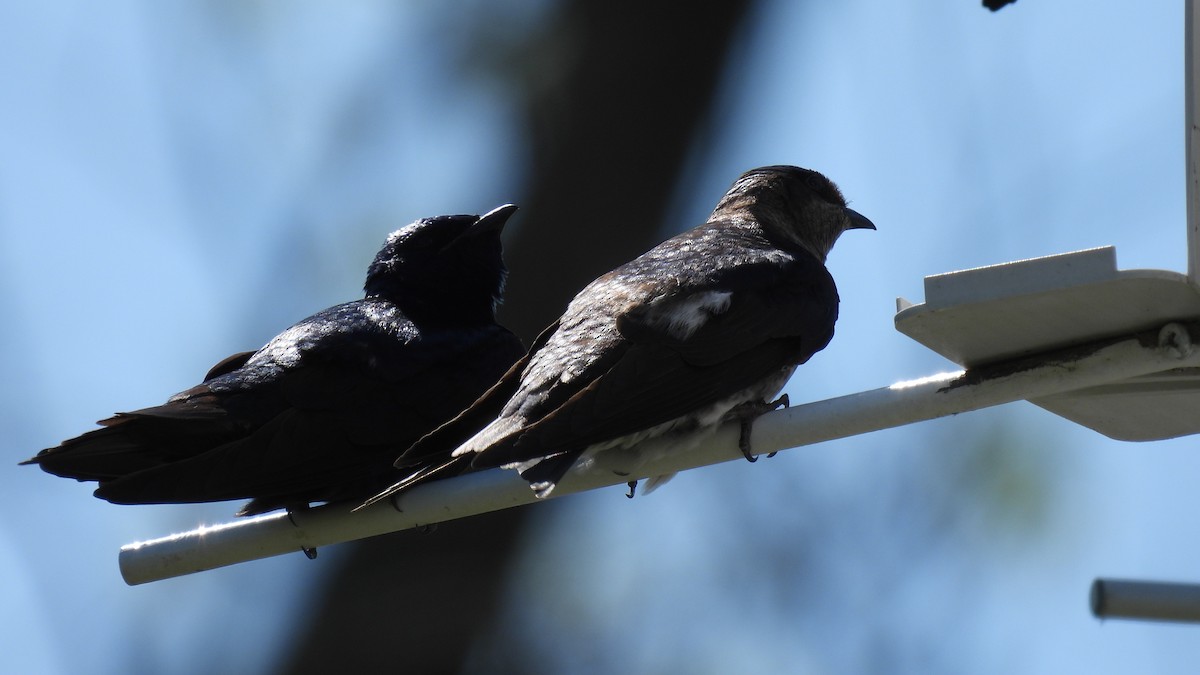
<point x="171" y="192"/>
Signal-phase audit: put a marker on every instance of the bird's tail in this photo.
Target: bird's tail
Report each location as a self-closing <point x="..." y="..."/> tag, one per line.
<point x="491" y="441"/>
<point x="136" y="441"/>
<point x="99" y="455"/>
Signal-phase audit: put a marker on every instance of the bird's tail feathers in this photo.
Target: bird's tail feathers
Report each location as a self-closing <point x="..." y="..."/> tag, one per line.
<point x="101" y="454"/>
<point x="129" y="442"/>
<point x="453" y="466"/>
<point x="496" y="433"/>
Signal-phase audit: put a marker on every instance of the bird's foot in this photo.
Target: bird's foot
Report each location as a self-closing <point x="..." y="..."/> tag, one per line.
<point x="293" y="510"/>
<point x="749" y="411"/>
<point x="310" y="552"/>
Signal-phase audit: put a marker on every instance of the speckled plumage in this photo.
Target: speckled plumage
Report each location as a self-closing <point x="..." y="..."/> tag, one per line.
<point x="321" y="411"/>
<point x="670" y="341"/>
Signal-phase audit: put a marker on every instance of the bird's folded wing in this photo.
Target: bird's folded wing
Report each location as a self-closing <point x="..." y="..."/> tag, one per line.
<point x="798" y="301"/>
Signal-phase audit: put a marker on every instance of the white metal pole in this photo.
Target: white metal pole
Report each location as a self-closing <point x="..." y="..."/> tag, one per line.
<point x="1192" y="139"/>
<point x="1150" y="600"/>
<point x="896" y="405"/>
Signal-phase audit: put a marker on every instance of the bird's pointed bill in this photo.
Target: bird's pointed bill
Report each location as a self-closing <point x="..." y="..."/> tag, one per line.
<point x="858" y="221"/>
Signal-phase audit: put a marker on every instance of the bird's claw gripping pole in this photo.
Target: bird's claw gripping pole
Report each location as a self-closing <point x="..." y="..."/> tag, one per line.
<point x="1082" y="366"/>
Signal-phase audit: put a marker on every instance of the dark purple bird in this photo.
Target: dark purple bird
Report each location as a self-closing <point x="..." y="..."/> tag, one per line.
<point x="704" y="328"/>
<point x="322" y="411"/>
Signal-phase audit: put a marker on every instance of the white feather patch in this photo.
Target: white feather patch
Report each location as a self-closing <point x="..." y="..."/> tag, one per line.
<point x="682" y="318"/>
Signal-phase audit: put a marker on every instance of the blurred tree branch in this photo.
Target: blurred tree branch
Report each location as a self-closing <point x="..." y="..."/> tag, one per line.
<point x="610" y="127"/>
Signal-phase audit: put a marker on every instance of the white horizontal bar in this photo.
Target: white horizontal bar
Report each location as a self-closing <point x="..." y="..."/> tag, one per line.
<point x="1191" y="108"/>
<point x="1154" y="601"/>
<point x="472" y="494"/>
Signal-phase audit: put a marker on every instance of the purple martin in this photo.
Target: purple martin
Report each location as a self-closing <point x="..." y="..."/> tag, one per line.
<point x="321" y="412"/>
<point x="704" y="328"/>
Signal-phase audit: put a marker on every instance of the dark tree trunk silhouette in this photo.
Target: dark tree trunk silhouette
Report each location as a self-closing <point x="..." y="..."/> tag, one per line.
<point x="609" y="137"/>
<point x="614" y="98"/>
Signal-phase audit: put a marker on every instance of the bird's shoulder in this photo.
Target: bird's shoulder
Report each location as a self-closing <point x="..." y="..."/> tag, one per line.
<point x="353" y="333"/>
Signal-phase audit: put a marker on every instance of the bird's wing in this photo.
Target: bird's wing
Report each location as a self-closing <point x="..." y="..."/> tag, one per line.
<point x="694" y="348"/>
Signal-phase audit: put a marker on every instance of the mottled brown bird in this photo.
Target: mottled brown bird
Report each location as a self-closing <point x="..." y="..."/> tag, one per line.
<point x="703" y="328"/>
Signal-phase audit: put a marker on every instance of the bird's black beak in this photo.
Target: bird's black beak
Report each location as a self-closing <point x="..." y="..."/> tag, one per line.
<point x="492" y="221"/>
<point x="858" y="221"/>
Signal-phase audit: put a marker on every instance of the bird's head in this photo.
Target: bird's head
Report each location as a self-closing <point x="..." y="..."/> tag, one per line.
<point x="445" y="263"/>
<point x="793" y="205"/>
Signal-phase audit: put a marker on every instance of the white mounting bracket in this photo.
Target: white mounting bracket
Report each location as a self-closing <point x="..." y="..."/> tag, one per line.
<point x="987" y="315"/>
